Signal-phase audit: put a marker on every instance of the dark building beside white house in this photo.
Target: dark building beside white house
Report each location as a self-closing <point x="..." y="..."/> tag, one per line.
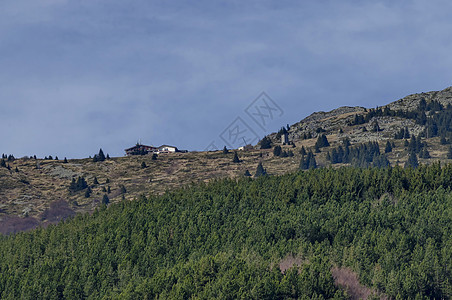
<point x="139" y="149"/>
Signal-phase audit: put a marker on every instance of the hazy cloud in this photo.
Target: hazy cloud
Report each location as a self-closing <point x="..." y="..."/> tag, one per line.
<point x="76" y="76"/>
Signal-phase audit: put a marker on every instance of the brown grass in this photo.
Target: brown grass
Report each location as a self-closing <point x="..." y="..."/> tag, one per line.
<point x="31" y="191"/>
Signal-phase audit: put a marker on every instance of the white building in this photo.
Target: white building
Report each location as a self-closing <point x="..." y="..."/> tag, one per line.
<point x="167" y="149"/>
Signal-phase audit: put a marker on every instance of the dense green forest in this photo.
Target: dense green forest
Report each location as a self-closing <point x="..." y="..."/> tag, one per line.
<point x="224" y="240"/>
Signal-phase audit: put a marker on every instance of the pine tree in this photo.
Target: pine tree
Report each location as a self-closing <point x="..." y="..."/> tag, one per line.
<point x="406" y="133"/>
<point x="88" y="192"/>
<point x="225" y="150"/>
<point x="236" y="158"/>
<point x="65" y="160"/>
<point x="412" y="160"/>
<point x="101" y="156"/>
<point x="277" y="151"/>
<point x="247" y="173"/>
<point x="308" y="161"/>
<point x="123" y="189"/>
<point x="105" y="199"/>
<point x="154" y="156"/>
<point x="375" y="126"/>
<point x="143" y="165"/>
<point x="16" y="170"/>
<point x="303" y="151"/>
<point x="78" y="185"/>
<point x="316" y="148"/>
<point x="95" y="181"/>
<point x="260" y="171"/>
<point x="265" y="143"/>
<point x="108" y="156"/>
<point x="388" y="147"/>
<point x="3" y="163"/>
<point x="108" y="190"/>
<point x="95" y="158"/>
<point x="107" y="180"/>
<point x="322" y="141"/>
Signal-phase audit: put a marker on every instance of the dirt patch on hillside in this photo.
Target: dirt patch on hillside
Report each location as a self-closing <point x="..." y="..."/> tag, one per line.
<point x="290" y="261"/>
<point x="14" y="224"/>
<point x="348" y="280"/>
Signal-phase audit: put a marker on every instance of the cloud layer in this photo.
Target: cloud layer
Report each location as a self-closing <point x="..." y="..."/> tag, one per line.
<point x="79" y="75"/>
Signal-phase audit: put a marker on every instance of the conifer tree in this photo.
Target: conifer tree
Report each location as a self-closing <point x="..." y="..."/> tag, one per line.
<point x="95" y="181"/>
<point x="277" y="151"/>
<point x="265" y="143"/>
<point x="260" y="171"/>
<point x="412" y="160"/>
<point x="105" y="199"/>
<point x="88" y="192"/>
<point x="65" y="160"/>
<point x="123" y="189"/>
<point x="316" y="148"/>
<point x="308" y="161"/>
<point x="143" y="165"/>
<point x="236" y="158"/>
<point x="225" y="150"/>
<point x="375" y="126"/>
<point x="101" y="155"/>
<point x="154" y="156"/>
<point x="303" y="151"/>
<point x="247" y="173"/>
<point x="3" y="163"/>
<point x="388" y="147"/>
<point x="322" y="141"/>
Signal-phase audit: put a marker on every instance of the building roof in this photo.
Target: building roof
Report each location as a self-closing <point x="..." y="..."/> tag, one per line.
<point x="162" y="146"/>
<point x="139" y="146"/>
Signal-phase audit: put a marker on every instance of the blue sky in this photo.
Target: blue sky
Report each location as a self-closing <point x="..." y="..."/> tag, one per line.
<point x="79" y="75"/>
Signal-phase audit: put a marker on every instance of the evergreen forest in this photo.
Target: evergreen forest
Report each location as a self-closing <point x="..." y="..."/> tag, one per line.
<point x="225" y="239"/>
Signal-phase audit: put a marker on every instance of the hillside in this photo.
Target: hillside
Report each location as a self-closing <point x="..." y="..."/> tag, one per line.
<point x="38" y="193"/>
<point x="322" y="234"/>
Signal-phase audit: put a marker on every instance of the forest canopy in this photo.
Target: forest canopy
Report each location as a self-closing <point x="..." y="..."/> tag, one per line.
<point x="392" y="226"/>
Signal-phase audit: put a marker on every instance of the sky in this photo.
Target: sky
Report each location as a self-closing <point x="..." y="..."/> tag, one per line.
<point x="76" y="76"/>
